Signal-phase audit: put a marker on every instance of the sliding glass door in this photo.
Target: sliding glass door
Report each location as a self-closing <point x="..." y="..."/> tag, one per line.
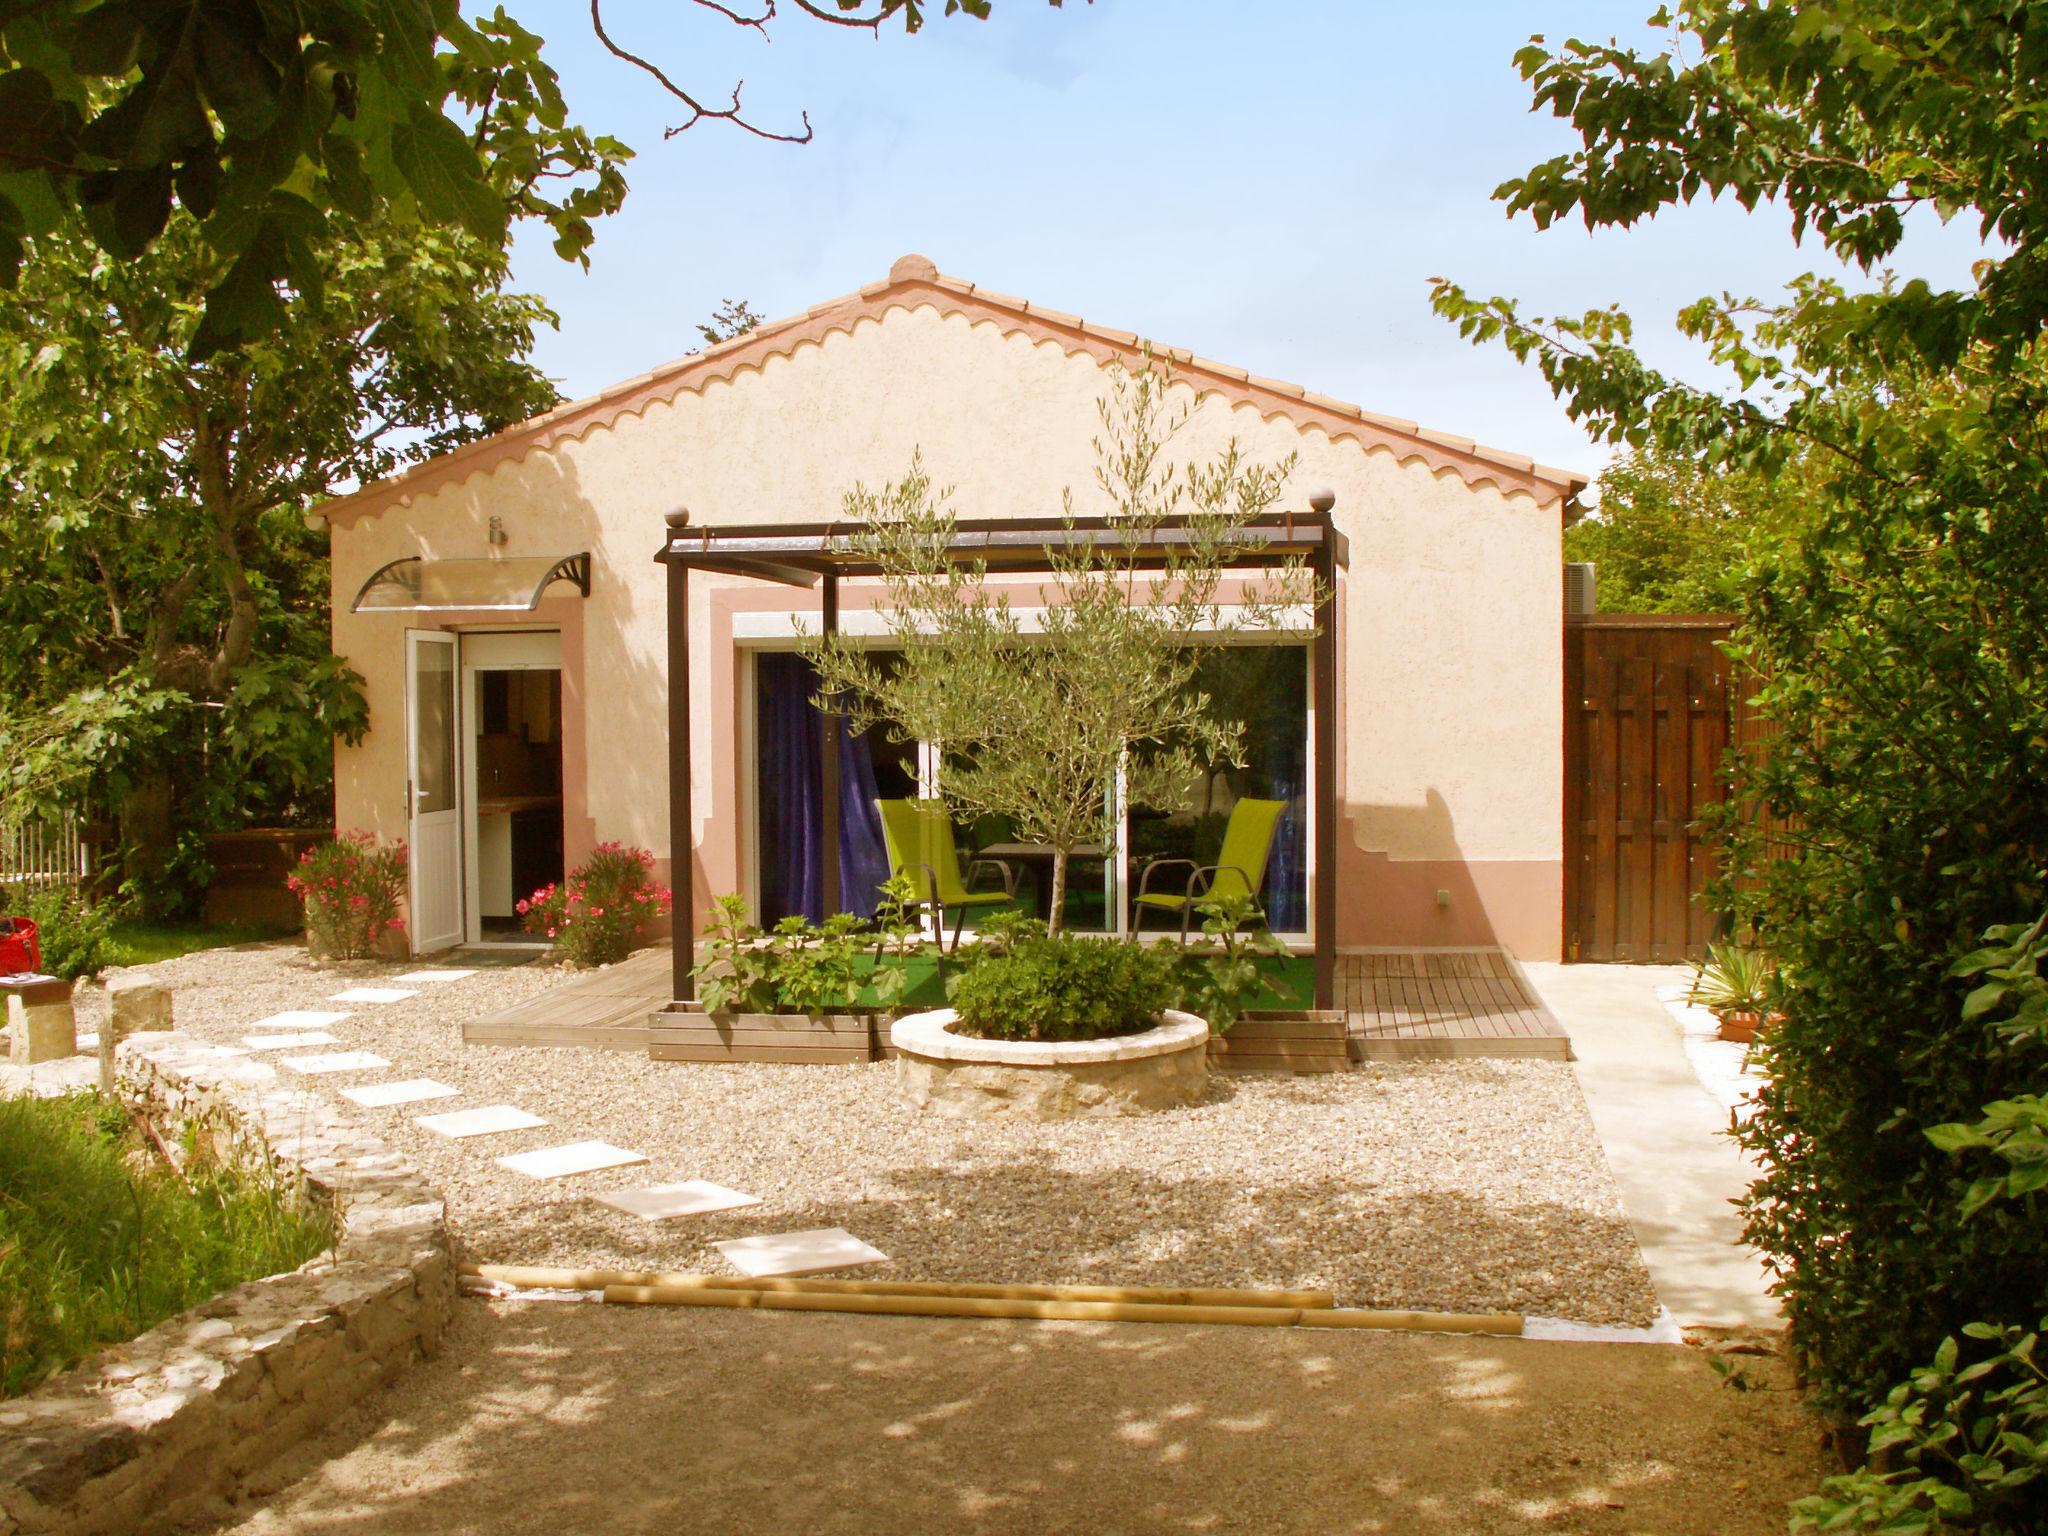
<point x="1262" y="688"/>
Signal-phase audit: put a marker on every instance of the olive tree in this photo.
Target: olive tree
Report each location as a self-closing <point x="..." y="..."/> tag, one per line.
<point x="1050" y="717"/>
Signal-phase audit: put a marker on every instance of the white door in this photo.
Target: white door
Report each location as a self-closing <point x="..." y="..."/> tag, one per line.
<point x="431" y="781"/>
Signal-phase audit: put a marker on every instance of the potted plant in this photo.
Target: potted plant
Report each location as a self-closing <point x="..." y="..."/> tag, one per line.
<point x="1734" y="984"/>
<point x="1232" y="966"/>
<point x="1051" y="1026"/>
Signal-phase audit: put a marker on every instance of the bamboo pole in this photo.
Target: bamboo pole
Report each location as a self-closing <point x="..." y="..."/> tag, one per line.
<point x="541" y="1278"/>
<point x="948" y="1306"/>
<point x="799" y="1300"/>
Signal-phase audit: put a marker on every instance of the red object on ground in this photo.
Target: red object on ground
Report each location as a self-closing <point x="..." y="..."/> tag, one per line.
<point x="19" y="951"/>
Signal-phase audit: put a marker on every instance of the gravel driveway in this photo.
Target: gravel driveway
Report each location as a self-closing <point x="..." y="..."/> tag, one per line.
<point x="1473" y="1185"/>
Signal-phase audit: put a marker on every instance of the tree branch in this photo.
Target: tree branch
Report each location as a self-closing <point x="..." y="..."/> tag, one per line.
<point x="698" y="110"/>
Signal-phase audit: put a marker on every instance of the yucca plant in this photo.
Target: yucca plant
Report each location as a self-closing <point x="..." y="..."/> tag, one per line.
<point x="1734" y="985"/>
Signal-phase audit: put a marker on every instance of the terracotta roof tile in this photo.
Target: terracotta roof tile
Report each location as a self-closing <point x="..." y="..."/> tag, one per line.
<point x="914" y="283"/>
<point x="1278" y="387"/>
<point x="1052" y="316"/>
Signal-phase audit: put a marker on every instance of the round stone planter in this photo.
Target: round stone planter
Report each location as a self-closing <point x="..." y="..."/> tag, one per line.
<point x="964" y="1078"/>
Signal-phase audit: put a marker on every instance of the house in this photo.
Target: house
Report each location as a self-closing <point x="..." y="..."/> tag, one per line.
<point x="505" y="604"/>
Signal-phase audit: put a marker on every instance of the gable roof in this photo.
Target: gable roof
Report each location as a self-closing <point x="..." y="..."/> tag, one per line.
<point x="914" y="283"/>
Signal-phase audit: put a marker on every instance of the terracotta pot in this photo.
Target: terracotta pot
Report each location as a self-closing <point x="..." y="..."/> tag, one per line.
<point x="1740" y="1026"/>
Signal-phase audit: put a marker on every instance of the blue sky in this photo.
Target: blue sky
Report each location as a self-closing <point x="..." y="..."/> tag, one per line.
<point x="1269" y="184"/>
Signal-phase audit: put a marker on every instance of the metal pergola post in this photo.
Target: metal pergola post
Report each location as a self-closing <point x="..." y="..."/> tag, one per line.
<point x="1329" y="793"/>
<point x="828" y="832"/>
<point x="681" y="841"/>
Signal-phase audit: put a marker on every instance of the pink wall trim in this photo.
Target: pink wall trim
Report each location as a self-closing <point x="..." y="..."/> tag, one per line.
<point x="1516" y="904"/>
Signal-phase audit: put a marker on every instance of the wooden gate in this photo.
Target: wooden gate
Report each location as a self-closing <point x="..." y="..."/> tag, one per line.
<point x="1646" y="728"/>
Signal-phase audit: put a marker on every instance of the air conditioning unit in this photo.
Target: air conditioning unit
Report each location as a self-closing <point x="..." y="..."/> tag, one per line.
<point x="1580" y="587"/>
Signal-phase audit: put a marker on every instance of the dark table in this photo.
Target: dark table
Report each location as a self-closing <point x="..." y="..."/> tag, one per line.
<point x="1039" y="858"/>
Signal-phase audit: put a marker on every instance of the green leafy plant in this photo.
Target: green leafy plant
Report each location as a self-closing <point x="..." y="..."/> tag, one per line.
<point x="99" y="1240"/>
<point x="1971" y="1430"/>
<point x="804" y="967"/>
<point x="1221" y="975"/>
<point x="1734" y="978"/>
<point x="76" y="934"/>
<point x="1064" y="987"/>
<point x="598" y="914"/>
<point x="1974" y="1442"/>
<point x="351" y="887"/>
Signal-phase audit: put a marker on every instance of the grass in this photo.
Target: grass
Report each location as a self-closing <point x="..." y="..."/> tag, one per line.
<point x="143" y="943"/>
<point x="99" y="1240"/>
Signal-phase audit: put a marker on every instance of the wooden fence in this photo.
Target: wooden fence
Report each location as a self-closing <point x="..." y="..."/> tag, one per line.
<point x="1647" y="724"/>
<point x="42" y="855"/>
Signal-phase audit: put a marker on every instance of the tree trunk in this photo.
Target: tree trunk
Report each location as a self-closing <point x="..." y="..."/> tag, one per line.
<point x="1057" y="911"/>
<point x="148" y="836"/>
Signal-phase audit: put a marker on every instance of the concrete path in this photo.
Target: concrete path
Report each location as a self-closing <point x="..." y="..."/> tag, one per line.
<point x="1666" y="1140"/>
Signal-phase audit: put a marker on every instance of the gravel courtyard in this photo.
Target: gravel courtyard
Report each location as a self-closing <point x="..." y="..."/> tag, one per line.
<point x="1458" y="1186"/>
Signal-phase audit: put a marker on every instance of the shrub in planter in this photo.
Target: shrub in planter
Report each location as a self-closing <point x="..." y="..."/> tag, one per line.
<point x="602" y="910"/>
<point x="805" y="967"/>
<point x="1220" y="975"/>
<point x="351" y="887"/>
<point x="1064" y="987"/>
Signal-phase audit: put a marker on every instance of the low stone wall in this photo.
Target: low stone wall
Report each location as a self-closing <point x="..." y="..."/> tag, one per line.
<point x="962" y="1077"/>
<point x="153" y="1431"/>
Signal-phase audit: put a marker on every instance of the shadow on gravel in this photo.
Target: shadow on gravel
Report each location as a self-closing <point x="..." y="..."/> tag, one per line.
<point x="1435" y="1251"/>
<point x="573" y="1419"/>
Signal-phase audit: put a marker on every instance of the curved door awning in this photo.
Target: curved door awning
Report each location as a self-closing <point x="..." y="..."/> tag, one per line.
<point x="511" y="585"/>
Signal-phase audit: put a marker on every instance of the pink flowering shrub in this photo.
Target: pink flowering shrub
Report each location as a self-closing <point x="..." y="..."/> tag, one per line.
<point x="597" y="915"/>
<point x="351" y="887"/>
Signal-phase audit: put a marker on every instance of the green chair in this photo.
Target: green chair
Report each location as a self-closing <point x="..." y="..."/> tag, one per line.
<point x="1240" y="870"/>
<point x="919" y="836"/>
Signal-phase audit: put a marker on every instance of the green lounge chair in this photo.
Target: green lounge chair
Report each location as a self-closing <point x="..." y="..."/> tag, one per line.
<point x="919" y="835"/>
<point x="1240" y="870"/>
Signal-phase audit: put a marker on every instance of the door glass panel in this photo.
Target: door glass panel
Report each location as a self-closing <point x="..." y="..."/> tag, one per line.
<point x="1264" y="690"/>
<point x="433" y="724"/>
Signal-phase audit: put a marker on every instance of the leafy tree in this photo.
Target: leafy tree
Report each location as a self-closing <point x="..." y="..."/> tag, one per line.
<point x="1042" y="729"/>
<point x="1671" y="539"/>
<point x="732" y="318"/>
<point x="165" y="610"/>
<point x="261" y="119"/>
<point x="1904" y="632"/>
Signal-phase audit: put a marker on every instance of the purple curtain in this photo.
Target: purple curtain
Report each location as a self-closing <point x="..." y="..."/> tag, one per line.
<point x="792" y="795"/>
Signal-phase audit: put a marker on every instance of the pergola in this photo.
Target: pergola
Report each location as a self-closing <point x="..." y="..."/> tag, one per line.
<point x="819" y="555"/>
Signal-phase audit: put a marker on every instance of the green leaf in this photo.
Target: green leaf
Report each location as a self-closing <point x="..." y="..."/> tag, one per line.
<point x="444" y="174"/>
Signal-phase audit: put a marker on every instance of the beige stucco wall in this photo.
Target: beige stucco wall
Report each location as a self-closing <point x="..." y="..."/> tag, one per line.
<point x="1451" y="665"/>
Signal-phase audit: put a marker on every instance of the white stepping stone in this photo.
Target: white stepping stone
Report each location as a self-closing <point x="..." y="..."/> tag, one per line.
<point x="299" y="1018"/>
<point x="335" y="1061"/>
<point x="374" y="995"/>
<point x="575" y="1157"/>
<point x="289" y="1042"/>
<point x="799" y="1253"/>
<point x="411" y="1091"/>
<point x="434" y="975"/>
<point x="479" y="1122"/>
<point x="659" y="1202"/>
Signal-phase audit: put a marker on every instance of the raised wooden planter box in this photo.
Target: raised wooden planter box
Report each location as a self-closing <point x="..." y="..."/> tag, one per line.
<point x="831" y="1039"/>
<point x="1283" y="1040"/>
<point x="249" y="872"/>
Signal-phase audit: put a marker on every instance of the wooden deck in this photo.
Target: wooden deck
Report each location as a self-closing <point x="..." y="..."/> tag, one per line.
<point x="1404" y="1005"/>
<point x="1433" y="1005"/>
<point x="605" y="1010"/>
